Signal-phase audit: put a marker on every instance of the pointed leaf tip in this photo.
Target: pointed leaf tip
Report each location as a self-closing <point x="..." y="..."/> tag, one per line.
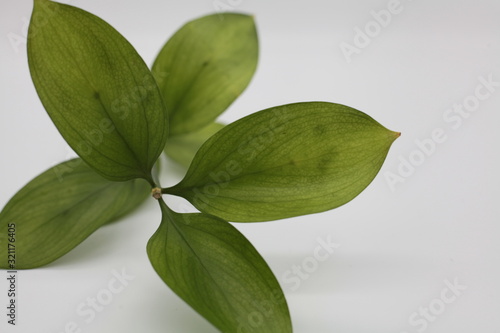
<point x="286" y="161"/>
<point x="204" y="67"/>
<point x="97" y="90"/>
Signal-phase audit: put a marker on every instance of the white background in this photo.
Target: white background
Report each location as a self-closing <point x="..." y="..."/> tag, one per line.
<point x="397" y="246"/>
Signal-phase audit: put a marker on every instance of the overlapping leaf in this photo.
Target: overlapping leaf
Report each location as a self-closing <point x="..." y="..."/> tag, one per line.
<point x="204" y="67"/>
<point x="286" y="161"/>
<point x="97" y="90"/>
<point x="182" y="148"/>
<point x="59" y="209"/>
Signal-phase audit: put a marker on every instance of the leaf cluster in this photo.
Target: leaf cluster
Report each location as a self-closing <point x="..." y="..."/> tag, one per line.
<point x="119" y="116"/>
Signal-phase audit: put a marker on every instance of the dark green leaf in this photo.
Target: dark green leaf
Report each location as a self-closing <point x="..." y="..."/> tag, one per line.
<point x="97" y="90"/>
<point x="59" y="209"/>
<point x="204" y="67"/>
<point x="182" y="148"/>
<point x="286" y="161"/>
<point x="215" y="269"/>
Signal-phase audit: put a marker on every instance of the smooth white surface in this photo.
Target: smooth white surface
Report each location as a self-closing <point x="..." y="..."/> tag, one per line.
<point x="397" y="248"/>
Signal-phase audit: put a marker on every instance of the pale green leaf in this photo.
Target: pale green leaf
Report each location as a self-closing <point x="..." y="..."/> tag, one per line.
<point x="97" y="90"/>
<point x="215" y="269"/>
<point x="182" y="148"/>
<point x="286" y="161"/>
<point x="60" y="208"/>
<point x="204" y="67"/>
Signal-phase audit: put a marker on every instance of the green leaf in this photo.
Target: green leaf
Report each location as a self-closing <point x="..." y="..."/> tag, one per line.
<point x="204" y="67"/>
<point x="215" y="269"/>
<point x="182" y="148"/>
<point x="60" y="208"/>
<point x="97" y="90"/>
<point x="286" y="161"/>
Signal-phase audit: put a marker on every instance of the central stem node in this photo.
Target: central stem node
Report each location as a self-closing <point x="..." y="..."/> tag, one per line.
<point x="156" y="193"/>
